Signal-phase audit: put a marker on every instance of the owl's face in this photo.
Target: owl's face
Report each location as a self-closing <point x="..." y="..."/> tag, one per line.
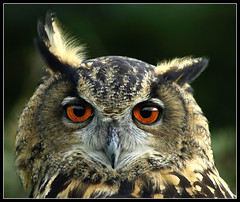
<point x="109" y="118"/>
<point x="115" y="111"/>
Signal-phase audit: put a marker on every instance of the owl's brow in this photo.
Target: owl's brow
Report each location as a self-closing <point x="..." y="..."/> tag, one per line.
<point x="157" y="101"/>
<point x="71" y="100"/>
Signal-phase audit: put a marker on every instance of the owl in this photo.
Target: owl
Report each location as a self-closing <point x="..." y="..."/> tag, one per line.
<point x="114" y="127"/>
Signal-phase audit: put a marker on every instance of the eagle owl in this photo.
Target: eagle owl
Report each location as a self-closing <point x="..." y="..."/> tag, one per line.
<point x="114" y="127"/>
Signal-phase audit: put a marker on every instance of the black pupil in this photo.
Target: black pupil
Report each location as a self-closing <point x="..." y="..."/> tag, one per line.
<point x="146" y="112"/>
<point x="79" y="110"/>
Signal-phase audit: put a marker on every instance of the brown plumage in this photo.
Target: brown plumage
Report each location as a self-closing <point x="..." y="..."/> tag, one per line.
<point x="114" y="127"/>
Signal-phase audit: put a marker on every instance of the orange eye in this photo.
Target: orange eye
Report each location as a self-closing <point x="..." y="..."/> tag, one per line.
<point x="147" y="113"/>
<point x="79" y="113"/>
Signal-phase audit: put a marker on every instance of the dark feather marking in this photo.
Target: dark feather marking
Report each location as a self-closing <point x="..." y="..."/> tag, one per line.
<point x="78" y="192"/>
<point x="181" y="157"/>
<point x="59" y="184"/>
<point x="206" y="180"/>
<point x="183" y="149"/>
<point x="92" y="179"/>
<point x="125" y="190"/>
<point x="147" y="191"/>
<point x="185" y="194"/>
<point x="36" y="150"/>
<point x="218" y="193"/>
<point x="43" y="185"/>
<point x="75" y="193"/>
<point x="31" y="193"/>
<point x="183" y="180"/>
<point x="170" y="192"/>
<point x="205" y="192"/>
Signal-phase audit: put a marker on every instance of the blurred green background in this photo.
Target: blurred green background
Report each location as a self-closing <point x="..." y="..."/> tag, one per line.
<point x="149" y="32"/>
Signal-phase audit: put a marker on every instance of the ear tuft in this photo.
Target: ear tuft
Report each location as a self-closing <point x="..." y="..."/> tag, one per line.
<point x="181" y="70"/>
<point x="61" y="45"/>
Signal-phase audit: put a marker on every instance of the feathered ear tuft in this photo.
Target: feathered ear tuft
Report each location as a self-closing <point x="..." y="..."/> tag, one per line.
<point x="61" y="45"/>
<point x="181" y="70"/>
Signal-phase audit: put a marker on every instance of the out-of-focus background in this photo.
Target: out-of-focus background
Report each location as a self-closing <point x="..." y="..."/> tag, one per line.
<point x="149" y="32"/>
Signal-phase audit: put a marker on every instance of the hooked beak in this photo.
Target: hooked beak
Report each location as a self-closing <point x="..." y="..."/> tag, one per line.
<point x="112" y="147"/>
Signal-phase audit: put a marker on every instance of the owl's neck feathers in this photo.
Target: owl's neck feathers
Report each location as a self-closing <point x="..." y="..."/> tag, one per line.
<point x="195" y="180"/>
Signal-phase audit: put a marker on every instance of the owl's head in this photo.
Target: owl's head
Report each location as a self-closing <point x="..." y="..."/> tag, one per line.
<point x="109" y="112"/>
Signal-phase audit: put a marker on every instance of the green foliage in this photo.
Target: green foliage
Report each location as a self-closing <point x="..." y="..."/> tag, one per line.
<point x="224" y="150"/>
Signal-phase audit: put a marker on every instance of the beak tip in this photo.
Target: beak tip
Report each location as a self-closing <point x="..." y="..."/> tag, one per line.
<point x="112" y="146"/>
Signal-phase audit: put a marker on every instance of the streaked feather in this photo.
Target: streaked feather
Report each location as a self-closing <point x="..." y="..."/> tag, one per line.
<point x="66" y="48"/>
